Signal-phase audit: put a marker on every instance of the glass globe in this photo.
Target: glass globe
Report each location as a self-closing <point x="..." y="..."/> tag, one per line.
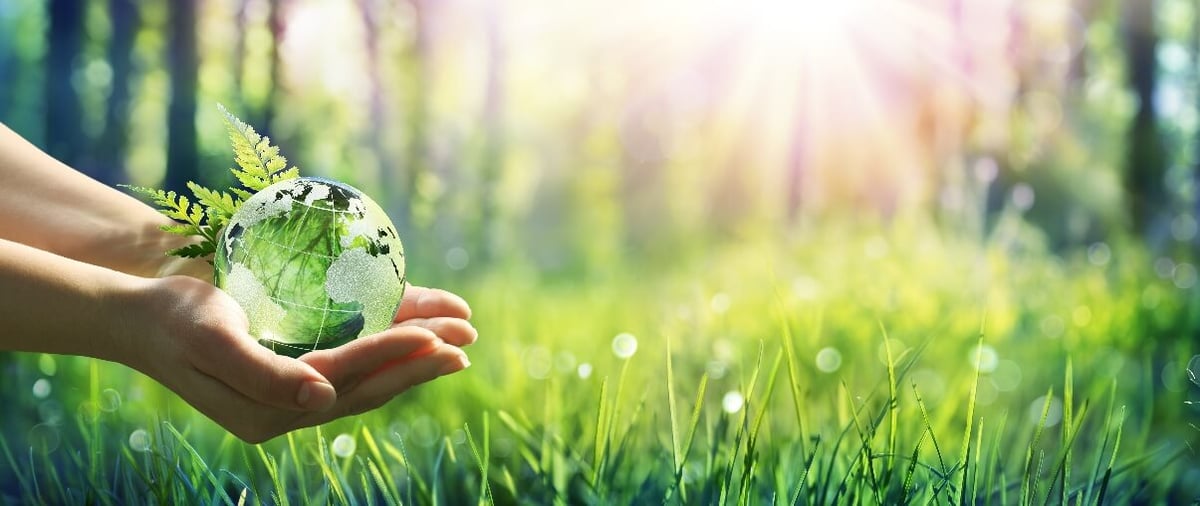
<point x="314" y="263"/>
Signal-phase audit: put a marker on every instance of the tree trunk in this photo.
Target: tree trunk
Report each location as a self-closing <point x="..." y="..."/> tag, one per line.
<point x="110" y="150"/>
<point x="369" y="11"/>
<point x="239" y="53"/>
<point x="1146" y="157"/>
<point x="493" y="126"/>
<point x="275" y="21"/>
<point x="64" y="137"/>
<point x="181" y="112"/>
<point x="417" y="108"/>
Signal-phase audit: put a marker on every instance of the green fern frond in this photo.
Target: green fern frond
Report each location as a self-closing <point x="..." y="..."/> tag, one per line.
<point x="198" y="250"/>
<point x="259" y="165"/>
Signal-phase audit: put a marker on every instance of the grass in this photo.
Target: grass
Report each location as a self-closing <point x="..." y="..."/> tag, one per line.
<point x="964" y="373"/>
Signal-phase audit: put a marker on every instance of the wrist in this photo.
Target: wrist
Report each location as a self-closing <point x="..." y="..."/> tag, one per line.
<point x="123" y="307"/>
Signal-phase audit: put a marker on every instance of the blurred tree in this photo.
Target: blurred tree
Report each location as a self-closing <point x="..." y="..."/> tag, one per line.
<point x="239" y="52"/>
<point x="275" y="21"/>
<point x="112" y="143"/>
<point x="64" y="135"/>
<point x="492" y="158"/>
<point x="183" y="63"/>
<point x="369" y="9"/>
<point x="1146" y="157"/>
<point x="415" y="62"/>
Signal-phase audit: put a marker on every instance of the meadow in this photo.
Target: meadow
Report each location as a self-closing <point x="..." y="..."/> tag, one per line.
<point x="718" y="252"/>
<point x="849" y="364"/>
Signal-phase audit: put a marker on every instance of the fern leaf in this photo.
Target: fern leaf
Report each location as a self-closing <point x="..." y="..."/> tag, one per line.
<point x="291" y="173"/>
<point x="217" y="202"/>
<point x="241" y="194"/>
<point x="257" y="159"/>
<point x="180" y="229"/>
<point x="194" y="250"/>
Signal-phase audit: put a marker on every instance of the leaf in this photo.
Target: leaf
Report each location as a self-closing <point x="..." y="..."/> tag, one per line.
<point x="259" y="163"/>
<point x="217" y="202"/>
<point x="197" y="250"/>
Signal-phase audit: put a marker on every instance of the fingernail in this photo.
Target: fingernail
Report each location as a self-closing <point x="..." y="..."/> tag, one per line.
<point x="455" y="366"/>
<point x="316" y="395"/>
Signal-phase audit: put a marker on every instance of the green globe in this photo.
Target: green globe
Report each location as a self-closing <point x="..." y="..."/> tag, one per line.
<point x="314" y="263"/>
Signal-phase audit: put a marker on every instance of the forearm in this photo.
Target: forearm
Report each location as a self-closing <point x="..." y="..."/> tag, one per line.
<point x="52" y="207"/>
<point x="53" y="304"/>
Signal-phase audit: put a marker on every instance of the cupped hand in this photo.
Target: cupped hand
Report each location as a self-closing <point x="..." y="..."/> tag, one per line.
<point x="194" y="339"/>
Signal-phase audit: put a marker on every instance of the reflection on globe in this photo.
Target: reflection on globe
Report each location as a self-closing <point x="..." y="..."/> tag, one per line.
<point x="314" y="263"/>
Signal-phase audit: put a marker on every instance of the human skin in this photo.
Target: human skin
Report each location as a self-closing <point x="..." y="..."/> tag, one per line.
<point x="82" y="273"/>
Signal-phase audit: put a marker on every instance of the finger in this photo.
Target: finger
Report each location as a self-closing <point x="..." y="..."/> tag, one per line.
<point x="456" y="331"/>
<point x="421" y="302"/>
<point x="387" y="383"/>
<point x="267" y="378"/>
<point x="350" y="362"/>
<point x="245" y="418"/>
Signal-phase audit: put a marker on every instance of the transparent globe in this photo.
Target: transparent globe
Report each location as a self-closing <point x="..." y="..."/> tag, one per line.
<point x="314" y="263"/>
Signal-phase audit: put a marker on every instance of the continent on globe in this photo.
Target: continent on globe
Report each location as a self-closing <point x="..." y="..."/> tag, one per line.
<point x="314" y="263"/>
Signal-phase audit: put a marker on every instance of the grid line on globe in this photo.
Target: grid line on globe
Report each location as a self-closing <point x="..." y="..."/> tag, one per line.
<point x="314" y="263"/>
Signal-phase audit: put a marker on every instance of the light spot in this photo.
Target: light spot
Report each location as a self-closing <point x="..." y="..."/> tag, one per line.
<point x="898" y="347"/>
<point x="732" y="402"/>
<point x="1053" y="326"/>
<point x="425" y="432"/>
<point x="457" y="258"/>
<point x="343" y="445"/>
<point x="537" y="362"/>
<point x="986" y="169"/>
<point x="1185" y="275"/>
<point x="398" y="429"/>
<point x="1053" y="415"/>
<point x="806" y="288"/>
<point x="1022" y="197"/>
<point x="1099" y="254"/>
<point x="829" y="359"/>
<point x="929" y="384"/>
<point x="723" y="349"/>
<point x="1007" y="376"/>
<point x="110" y="400"/>
<point x="1164" y="267"/>
<point x="41" y="388"/>
<point x="716" y="369"/>
<point x="44" y="438"/>
<point x="1184" y="228"/>
<point x="986" y="392"/>
<point x="139" y="440"/>
<point x="983" y="358"/>
<point x="584" y="370"/>
<point x="458" y="437"/>
<point x="564" y="362"/>
<point x="624" y="345"/>
<point x="47" y="364"/>
<point x="720" y="303"/>
<point x="1082" y="316"/>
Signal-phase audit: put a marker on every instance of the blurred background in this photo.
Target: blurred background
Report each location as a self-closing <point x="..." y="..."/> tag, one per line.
<point x="679" y="169"/>
<point x="576" y="135"/>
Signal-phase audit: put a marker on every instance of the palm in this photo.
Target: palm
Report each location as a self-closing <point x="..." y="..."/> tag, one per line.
<point x="208" y="357"/>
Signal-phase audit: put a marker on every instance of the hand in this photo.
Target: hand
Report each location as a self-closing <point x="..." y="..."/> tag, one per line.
<point x="194" y="339"/>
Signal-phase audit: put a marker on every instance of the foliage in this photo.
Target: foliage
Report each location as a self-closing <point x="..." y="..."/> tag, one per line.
<point x="259" y="165"/>
<point x="1069" y="400"/>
